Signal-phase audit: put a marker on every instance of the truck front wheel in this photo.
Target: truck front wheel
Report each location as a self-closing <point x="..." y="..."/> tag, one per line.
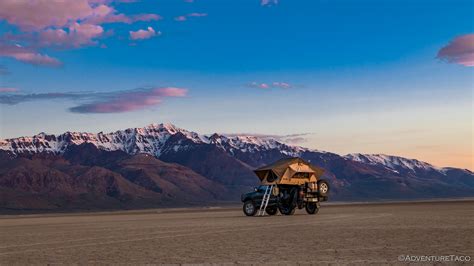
<point x="249" y="208"/>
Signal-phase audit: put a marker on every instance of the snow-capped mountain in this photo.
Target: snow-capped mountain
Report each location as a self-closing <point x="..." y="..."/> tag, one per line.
<point x="153" y="139"/>
<point x="163" y="163"/>
<point x="252" y="144"/>
<point x="150" y="139"/>
<point x="395" y="163"/>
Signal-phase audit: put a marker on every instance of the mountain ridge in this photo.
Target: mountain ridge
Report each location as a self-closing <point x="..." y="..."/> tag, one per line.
<point x="163" y="165"/>
<point x="151" y="139"/>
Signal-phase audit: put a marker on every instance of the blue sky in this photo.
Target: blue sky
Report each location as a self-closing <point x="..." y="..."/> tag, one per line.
<point x="362" y="76"/>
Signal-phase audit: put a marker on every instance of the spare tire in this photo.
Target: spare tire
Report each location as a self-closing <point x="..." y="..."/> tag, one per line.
<point x="323" y="188"/>
<point x="275" y="191"/>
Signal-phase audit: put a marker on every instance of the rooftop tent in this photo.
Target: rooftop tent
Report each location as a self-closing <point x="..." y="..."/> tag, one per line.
<point x="290" y="171"/>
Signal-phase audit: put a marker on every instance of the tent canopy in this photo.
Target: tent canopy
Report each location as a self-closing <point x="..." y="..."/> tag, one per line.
<point x="291" y="171"/>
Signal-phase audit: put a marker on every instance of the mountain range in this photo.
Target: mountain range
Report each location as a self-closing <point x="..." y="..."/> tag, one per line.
<point x="161" y="165"/>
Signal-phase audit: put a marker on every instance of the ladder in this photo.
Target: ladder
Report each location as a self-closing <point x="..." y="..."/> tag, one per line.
<point x="265" y="200"/>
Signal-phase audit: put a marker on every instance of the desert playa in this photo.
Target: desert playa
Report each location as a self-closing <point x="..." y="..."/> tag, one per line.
<point x="354" y="233"/>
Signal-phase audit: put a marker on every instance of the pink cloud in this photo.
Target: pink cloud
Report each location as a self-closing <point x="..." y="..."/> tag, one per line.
<point x="260" y="85"/>
<point x="281" y="85"/>
<point x="85" y="32"/>
<point x="131" y="101"/>
<point x="7" y="89"/>
<point x="116" y="1"/>
<point x="185" y="17"/>
<point x="64" y="24"/>
<point x="36" y="59"/>
<point x="27" y="55"/>
<point x="113" y="17"/>
<point x="171" y="92"/>
<point x="110" y="1"/>
<point x="143" y="34"/>
<point x="146" y="17"/>
<point x="76" y="36"/>
<point x="180" y="18"/>
<point x="197" y="15"/>
<point x="268" y="2"/>
<point x="40" y="14"/>
<point x="459" y="51"/>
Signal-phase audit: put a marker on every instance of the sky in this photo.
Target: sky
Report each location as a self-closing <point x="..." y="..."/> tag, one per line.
<point x="345" y="76"/>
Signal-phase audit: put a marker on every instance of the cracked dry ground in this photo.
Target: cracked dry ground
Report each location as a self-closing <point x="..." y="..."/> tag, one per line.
<point x="363" y="233"/>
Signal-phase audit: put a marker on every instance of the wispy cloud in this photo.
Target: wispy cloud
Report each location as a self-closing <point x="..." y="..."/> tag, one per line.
<point x="297" y="138"/>
<point x="180" y="18"/>
<point x="143" y="34"/>
<point x="8" y="89"/>
<point x="260" y="85"/>
<point x="459" y="51"/>
<point x="27" y="55"/>
<point x="268" y="2"/>
<point x="293" y="139"/>
<point x="282" y="85"/>
<point x="122" y="18"/>
<point x="16" y="98"/>
<point x="102" y="102"/>
<point x="270" y="85"/>
<point x="185" y="17"/>
<point x="130" y="101"/>
<point x="197" y="15"/>
<point x="4" y="70"/>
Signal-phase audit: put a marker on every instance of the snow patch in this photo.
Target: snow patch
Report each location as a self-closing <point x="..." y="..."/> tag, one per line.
<point x="393" y="163"/>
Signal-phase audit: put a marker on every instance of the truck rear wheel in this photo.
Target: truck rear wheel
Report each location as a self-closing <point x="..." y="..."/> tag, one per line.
<point x="311" y="208"/>
<point x="249" y="208"/>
